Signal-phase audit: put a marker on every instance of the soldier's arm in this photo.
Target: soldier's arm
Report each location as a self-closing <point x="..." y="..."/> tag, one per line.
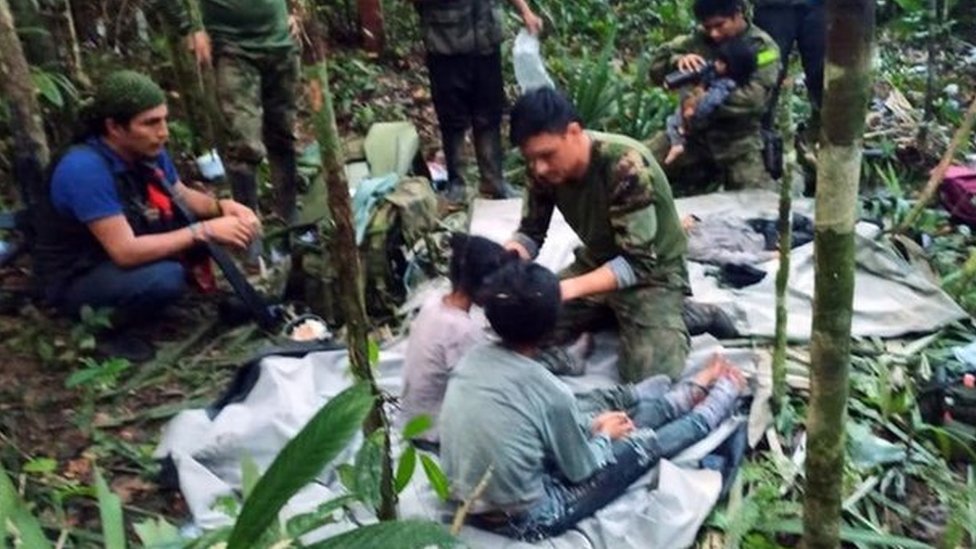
<point x="752" y="98"/>
<point x="634" y="219"/>
<point x="665" y="58"/>
<point x="536" y="214"/>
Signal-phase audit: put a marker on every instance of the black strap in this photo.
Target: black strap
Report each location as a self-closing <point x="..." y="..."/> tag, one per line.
<point x="255" y="304"/>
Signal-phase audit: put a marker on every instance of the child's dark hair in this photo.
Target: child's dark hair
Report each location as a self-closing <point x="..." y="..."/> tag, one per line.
<point x="542" y="110"/>
<point x="706" y="9"/>
<point x="740" y="58"/>
<point x="473" y="259"/>
<point x="522" y="302"/>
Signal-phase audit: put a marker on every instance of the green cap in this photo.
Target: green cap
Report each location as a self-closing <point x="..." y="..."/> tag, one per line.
<point x="124" y="94"/>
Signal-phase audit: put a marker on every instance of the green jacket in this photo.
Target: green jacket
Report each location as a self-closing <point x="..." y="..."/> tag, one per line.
<point x="252" y="25"/>
<point x="769" y="3"/>
<point x="734" y="126"/>
<point x="622" y="208"/>
<point x="453" y="27"/>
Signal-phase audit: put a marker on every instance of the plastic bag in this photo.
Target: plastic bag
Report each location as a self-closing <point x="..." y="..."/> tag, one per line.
<point x="530" y="71"/>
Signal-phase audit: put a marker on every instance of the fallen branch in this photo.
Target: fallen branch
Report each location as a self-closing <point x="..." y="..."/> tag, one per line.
<point x="462" y="512"/>
<point x="938" y="174"/>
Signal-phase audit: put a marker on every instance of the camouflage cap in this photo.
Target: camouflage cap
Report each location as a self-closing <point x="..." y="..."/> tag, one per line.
<point x="124" y="94"/>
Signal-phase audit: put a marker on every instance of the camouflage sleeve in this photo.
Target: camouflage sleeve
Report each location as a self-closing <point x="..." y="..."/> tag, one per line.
<point x="752" y="98"/>
<point x="633" y="215"/>
<point x="174" y="13"/>
<point x="665" y="57"/>
<point x="536" y="214"/>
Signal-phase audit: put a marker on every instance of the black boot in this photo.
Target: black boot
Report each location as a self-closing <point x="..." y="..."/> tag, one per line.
<point x="488" y="151"/>
<point x="284" y="179"/>
<point x="705" y="317"/>
<point x="452" y="141"/>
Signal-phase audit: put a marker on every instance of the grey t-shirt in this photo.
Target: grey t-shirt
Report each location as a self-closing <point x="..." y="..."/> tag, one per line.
<point x="505" y="410"/>
<point x="439" y="336"/>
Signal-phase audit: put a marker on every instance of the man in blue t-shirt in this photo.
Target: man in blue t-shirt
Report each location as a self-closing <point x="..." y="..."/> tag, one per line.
<point x="107" y="232"/>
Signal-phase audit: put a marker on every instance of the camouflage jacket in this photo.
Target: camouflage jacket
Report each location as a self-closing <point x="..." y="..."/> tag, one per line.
<point x="621" y="208"/>
<point x="734" y="126"/>
<point x="251" y="25"/>
<point x="452" y="27"/>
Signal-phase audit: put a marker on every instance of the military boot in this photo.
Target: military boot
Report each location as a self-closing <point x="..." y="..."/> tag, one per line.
<point x="244" y="188"/>
<point x="704" y="317"/>
<point x="453" y="143"/>
<point x="488" y="151"/>
<point x="284" y="177"/>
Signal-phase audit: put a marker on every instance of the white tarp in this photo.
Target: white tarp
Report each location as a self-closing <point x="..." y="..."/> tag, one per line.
<point x="891" y="297"/>
<point x="207" y="452"/>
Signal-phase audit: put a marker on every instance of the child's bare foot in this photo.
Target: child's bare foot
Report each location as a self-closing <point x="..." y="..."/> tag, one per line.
<point x="735" y="375"/>
<point x="716" y="366"/>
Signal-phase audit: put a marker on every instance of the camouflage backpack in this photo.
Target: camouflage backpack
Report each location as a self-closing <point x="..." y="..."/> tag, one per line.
<point x="398" y="223"/>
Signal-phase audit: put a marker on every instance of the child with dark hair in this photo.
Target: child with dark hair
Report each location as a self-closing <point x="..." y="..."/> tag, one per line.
<point x="734" y="65"/>
<point x="551" y="464"/>
<point x="444" y="329"/>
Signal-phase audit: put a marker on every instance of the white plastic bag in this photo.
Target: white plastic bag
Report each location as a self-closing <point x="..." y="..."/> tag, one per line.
<point x="530" y="72"/>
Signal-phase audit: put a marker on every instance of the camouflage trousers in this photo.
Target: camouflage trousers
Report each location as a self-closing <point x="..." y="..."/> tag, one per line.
<point x="653" y="338"/>
<point x="258" y="99"/>
<point x="698" y="170"/>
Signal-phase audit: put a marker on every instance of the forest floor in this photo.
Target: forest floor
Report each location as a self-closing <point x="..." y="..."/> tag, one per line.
<point x="57" y="427"/>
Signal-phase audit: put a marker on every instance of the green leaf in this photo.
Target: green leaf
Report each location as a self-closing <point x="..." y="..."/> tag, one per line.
<point x="159" y="534"/>
<point x="249" y="475"/>
<point x="300" y="525"/>
<point x="373" y="353"/>
<point x="40" y="466"/>
<point x="405" y="469"/>
<point x="12" y="509"/>
<point x="368" y="470"/>
<point x="407" y="534"/>
<point x="110" y="509"/>
<point x="318" y="443"/>
<point x="417" y="426"/>
<point x="347" y="476"/>
<point x="47" y="88"/>
<point x="851" y="535"/>
<point x="436" y="477"/>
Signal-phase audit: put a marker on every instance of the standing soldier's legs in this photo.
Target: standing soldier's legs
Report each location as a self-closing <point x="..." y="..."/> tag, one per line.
<point x="449" y="75"/>
<point x="690" y="173"/>
<point x="782" y="25"/>
<point x="811" y="41"/>
<point x="239" y="90"/>
<point x="279" y="87"/>
<point x="488" y="96"/>
<point x="653" y="338"/>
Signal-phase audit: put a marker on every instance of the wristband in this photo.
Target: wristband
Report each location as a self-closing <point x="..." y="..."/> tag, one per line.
<point x="218" y="211"/>
<point x="195" y="231"/>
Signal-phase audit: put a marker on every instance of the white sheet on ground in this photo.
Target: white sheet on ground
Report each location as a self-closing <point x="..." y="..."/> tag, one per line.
<point x="891" y="298"/>
<point x="207" y="453"/>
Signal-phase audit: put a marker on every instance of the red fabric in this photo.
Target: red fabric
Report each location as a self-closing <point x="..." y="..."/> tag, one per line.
<point x="958" y="192"/>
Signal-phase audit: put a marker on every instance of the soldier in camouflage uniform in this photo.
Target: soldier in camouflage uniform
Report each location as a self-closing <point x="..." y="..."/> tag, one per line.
<point x="631" y="268"/>
<point x="727" y="151"/>
<point x="462" y="39"/>
<point x="257" y="68"/>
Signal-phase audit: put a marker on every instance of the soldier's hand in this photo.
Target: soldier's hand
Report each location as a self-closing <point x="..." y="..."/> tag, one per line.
<point x="229" y="230"/>
<point x="519" y="249"/>
<point x="199" y="43"/>
<point x="533" y="23"/>
<point x="691" y="62"/>
<point x="238" y="210"/>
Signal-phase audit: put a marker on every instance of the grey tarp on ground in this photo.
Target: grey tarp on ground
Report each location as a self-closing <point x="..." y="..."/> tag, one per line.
<point x="891" y="297"/>
<point x="207" y="452"/>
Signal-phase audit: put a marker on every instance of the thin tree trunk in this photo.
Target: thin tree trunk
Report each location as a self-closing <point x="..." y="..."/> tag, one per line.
<point x="75" y="66"/>
<point x="938" y="174"/>
<point x="346" y="256"/>
<point x="785" y="227"/>
<point x="932" y="26"/>
<point x="850" y="33"/>
<point x="31" y="154"/>
<point x="371" y="25"/>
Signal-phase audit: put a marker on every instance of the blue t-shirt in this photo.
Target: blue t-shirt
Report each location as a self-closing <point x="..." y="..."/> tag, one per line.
<point x="83" y="183"/>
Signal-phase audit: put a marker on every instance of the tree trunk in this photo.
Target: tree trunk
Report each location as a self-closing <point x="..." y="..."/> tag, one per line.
<point x="31" y="154"/>
<point x="371" y="25"/>
<point x="75" y="66"/>
<point x="346" y="256"/>
<point x="850" y="33"/>
<point x="785" y="228"/>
